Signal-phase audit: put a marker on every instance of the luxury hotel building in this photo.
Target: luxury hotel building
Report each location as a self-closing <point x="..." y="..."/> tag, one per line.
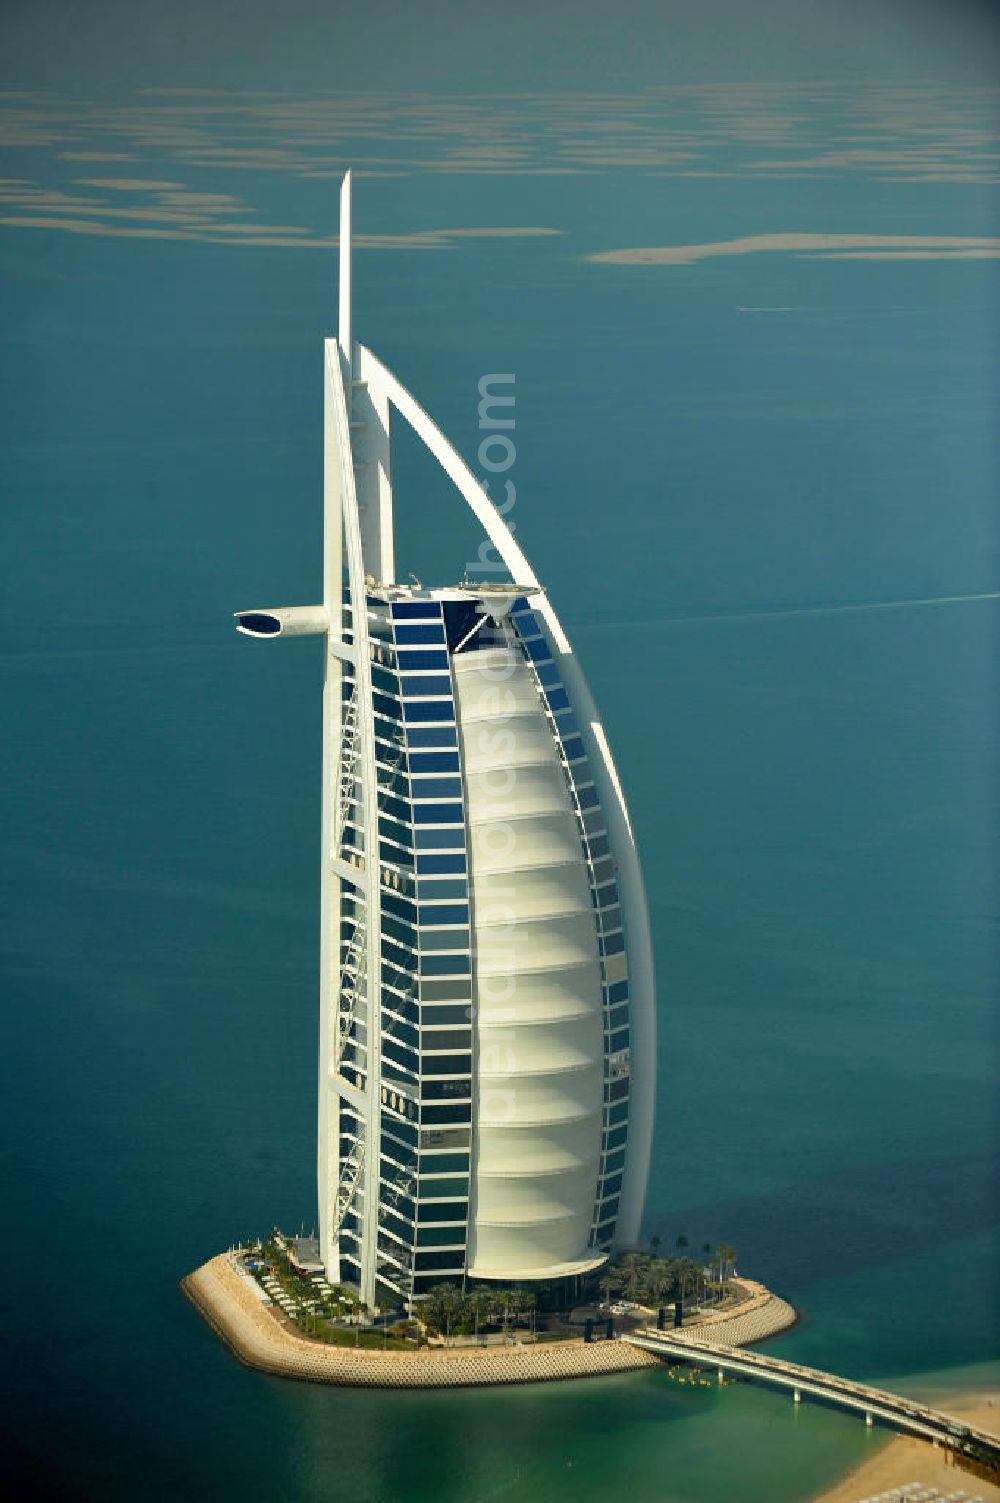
<point x="487" y="1032"/>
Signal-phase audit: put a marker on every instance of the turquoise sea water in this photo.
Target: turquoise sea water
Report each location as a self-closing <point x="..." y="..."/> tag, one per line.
<point x="761" y="491"/>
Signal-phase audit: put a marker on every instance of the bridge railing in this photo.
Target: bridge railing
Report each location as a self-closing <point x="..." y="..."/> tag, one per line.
<point x="903" y="1412"/>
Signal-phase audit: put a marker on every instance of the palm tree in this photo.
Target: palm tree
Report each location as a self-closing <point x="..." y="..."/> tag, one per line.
<point x="654" y="1243"/>
<point x="482" y="1307"/>
<point x="682" y="1241"/>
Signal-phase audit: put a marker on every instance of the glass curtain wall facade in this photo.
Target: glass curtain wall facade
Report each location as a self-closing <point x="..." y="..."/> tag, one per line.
<point x="424" y="1191"/>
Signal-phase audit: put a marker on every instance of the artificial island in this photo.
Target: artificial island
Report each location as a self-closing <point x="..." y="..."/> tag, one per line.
<point x="487" y="1039"/>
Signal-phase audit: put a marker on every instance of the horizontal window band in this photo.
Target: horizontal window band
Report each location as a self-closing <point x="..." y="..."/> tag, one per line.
<point x="426" y="686"/>
<point x="415" y="610"/>
<point x="431" y="737"/>
<point x="438" y="838"/>
<point x="445" y="1117"/>
<point x="445" y="1210"/>
<point x="440" y="941"/>
<point x="450" y="1188"/>
<point x="442" y="1236"/>
<point x="431" y="634"/>
<point x="447" y="1015"/>
<point x="440" y="864"/>
<point x="393" y="855"/>
<point x="432" y="761"/>
<point x="439" y="711"/>
<point x="457" y="1065"/>
<point x="444" y="965"/>
<point x="429" y="890"/>
<point x="446" y="1038"/>
<point x="403" y="907"/>
<point x="442" y="1262"/>
<point x="422" y="788"/>
<point x="435" y="915"/>
<point x="444" y="1161"/>
<point x="438" y="814"/>
<point x="404" y="960"/>
<point x="421" y="658"/>
<point x="385" y="706"/>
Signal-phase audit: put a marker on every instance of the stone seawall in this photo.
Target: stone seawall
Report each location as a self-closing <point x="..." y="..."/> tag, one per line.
<point x="261" y="1337"/>
<point x="763" y="1314"/>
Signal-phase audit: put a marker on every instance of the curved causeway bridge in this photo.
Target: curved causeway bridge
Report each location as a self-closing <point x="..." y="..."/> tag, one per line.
<point x="893" y="1409"/>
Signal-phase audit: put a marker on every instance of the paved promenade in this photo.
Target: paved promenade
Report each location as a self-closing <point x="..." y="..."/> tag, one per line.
<point x="263" y="1338"/>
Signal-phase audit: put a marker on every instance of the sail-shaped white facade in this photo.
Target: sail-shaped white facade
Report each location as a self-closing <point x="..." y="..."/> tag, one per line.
<point x="487" y="1012"/>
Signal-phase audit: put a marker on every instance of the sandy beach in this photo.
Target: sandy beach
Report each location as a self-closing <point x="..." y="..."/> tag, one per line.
<point x="907" y="1460"/>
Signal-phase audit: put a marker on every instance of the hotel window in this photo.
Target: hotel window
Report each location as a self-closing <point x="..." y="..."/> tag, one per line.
<point x="448" y="1064"/>
<point x="443" y="1210"/>
<point x="432" y="761"/>
<point x="443" y="1163"/>
<point x="443" y="788"/>
<point x="420" y="635"/>
<point x="443" y="1261"/>
<point x="427" y="891"/>
<point x="445" y="865"/>
<point x="457" y="1013"/>
<point x="447" y="1038"/>
<point x="428" y="710"/>
<point x="409" y="610"/>
<point x="421" y="658"/>
<point x="443" y="913"/>
<point x="426" y="686"/>
<point x="431" y="735"/>
<point x="437" y="814"/>
<point x="438" y="941"/>
<point x="446" y="1114"/>
<point x="441" y="1236"/>
<point x="444" y="965"/>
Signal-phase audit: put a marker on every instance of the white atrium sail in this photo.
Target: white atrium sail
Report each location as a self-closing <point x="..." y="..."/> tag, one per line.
<point x="487" y="1018"/>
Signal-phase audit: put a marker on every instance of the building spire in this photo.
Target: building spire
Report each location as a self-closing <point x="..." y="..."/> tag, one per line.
<point x="344" y="317"/>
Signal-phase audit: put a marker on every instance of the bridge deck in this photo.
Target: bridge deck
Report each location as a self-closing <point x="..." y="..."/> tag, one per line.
<point x="901" y="1413"/>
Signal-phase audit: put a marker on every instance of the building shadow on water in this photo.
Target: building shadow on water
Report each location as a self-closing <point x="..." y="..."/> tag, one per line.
<point x="848" y="1221"/>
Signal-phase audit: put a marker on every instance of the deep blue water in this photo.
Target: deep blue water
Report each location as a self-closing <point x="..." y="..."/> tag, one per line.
<point x="768" y="532"/>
